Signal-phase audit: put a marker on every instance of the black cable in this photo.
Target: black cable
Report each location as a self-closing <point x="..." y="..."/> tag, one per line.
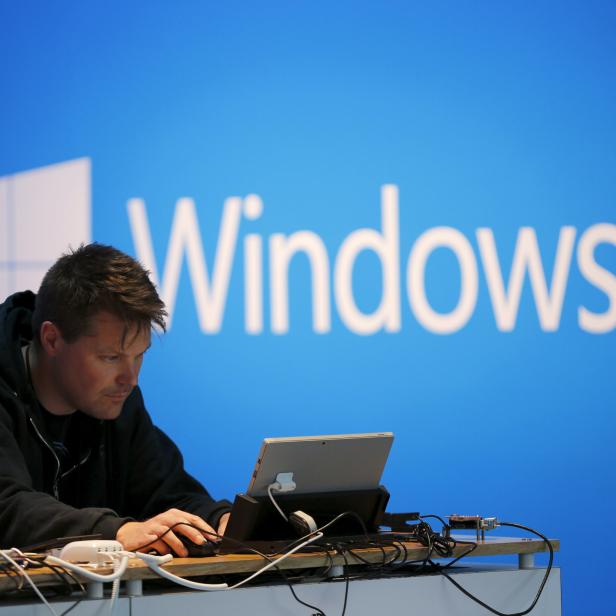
<point x="280" y="571"/>
<point x="435" y="543"/>
<point x="424" y="534"/>
<point x="370" y="542"/>
<point x="72" y="607"/>
<point x="430" y="549"/>
<point x="69" y="574"/>
<point x="57" y="571"/>
<point x="346" y="582"/>
<point x="405" y="553"/>
<point x="36" y="562"/>
<point x="404" y="562"/>
<point x="327" y="525"/>
<point x="318" y="611"/>
<point x="362" y="560"/>
<point x="244" y="546"/>
<point x="149" y="543"/>
<point x="15" y="577"/>
<point x="77" y="601"/>
<point x="437" y="517"/>
<point x="381" y="568"/>
<point x="473" y="547"/>
<point x="290" y="546"/>
<point x="541" y="586"/>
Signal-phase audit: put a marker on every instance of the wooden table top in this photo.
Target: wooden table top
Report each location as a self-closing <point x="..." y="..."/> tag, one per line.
<point x="248" y="563"/>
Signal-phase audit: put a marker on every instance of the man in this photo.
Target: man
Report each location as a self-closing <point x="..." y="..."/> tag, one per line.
<point x="78" y="451"/>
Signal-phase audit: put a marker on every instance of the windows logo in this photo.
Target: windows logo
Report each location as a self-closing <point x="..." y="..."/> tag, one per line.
<point x="43" y="212"/>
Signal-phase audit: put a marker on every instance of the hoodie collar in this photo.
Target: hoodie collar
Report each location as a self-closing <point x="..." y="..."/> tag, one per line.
<point x="15" y="331"/>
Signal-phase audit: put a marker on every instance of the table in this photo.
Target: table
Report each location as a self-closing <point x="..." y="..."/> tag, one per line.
<point x="509" y="588"/>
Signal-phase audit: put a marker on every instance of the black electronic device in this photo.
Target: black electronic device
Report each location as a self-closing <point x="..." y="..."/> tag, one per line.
<point x="201" y="550"/>
<point x="255" y="522"/>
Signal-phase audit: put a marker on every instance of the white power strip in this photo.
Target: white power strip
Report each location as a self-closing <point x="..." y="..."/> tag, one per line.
<point x="95" y="552"/>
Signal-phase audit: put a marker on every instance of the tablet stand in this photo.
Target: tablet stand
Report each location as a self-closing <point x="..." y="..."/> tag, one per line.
<point x="255" y="519"/>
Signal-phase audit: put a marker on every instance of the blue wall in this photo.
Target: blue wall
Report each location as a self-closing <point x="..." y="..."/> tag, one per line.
<point x="485" y="116"/>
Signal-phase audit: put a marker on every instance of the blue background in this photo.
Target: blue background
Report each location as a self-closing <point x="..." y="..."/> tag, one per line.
<point x="485" y="114"/>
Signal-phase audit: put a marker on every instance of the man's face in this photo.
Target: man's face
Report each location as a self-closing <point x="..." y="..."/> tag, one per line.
<point x="96" y="373"/>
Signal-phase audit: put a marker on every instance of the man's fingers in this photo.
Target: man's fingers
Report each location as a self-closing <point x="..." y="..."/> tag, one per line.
<point x="137" y="535"/>
<point x="184" y="524"/>
<point x="151" y="537"/>
<point x="175" y="544"/>
<point x="160" y="546"/>
<point x="196" y="536"/>
<point x="222" y="524"/>
<point x="196" y="520"/>
<point x="207" y="531"/>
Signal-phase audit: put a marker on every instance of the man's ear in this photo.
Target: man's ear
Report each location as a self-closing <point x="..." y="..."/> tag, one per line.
<point x="51" y="338"/>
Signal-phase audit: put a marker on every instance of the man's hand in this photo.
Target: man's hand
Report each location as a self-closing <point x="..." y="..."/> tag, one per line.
<point x="222" y="524"/>
<point x="154" y="534"/>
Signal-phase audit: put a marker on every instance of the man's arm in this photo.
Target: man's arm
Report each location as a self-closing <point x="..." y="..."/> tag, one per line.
<point x="156" y="481"/>
<point x="28" y="516"/>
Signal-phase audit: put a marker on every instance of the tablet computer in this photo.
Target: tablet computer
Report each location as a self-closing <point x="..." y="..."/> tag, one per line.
<point x="331" y="463"/>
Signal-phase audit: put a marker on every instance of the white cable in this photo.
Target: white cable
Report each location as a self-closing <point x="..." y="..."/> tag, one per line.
<point x="278" y="560"/>
<point x="183" y="582"/>
<point x="21" y="571"/>
<point x="271" y="487"/>
<point x="153" y="558"/>
<point x="96" y="577"/>
<point x="115" y="591"/>
<point x="115" y="588"/>
<point x="154" y="564"/>
<point x="120" y="563"/>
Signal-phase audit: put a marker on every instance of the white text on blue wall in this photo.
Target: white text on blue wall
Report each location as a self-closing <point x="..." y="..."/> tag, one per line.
<point x="210" y="284"/>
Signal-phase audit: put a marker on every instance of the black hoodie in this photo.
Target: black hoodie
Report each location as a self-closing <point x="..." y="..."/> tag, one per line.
<point x="123" y="469"/>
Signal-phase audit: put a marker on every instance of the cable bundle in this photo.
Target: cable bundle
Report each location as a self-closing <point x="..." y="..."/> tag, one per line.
<point x="438" y="546"/>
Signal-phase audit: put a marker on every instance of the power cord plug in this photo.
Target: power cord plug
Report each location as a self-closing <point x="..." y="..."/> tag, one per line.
<point x="284" y="483"/>
<point x="302" y="523"/>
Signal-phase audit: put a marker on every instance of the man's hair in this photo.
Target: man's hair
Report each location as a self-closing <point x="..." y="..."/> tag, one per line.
<point x="92" y="279"/>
